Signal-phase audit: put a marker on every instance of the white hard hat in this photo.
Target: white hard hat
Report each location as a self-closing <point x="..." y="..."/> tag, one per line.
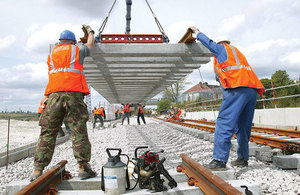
<point x="221" y="39"/>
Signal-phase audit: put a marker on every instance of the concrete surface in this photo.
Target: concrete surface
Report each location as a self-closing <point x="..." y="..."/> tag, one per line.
<point x="134" y="73"/>
<point x="24" y="151"/>
<point x="255" y="188"/>
<point x="287" y="161"/>
<point x="266" y="154"/>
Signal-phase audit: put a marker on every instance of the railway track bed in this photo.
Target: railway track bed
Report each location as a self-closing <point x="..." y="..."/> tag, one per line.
<point x="158" y="135"/>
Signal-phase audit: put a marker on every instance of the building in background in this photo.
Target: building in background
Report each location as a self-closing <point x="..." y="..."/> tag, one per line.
<point x="201" y="91"/>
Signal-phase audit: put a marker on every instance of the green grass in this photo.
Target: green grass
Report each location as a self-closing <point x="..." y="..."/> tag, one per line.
<point x="20" y="116"/>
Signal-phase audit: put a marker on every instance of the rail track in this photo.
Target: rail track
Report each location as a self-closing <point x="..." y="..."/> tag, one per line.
<point x="180" y="149"/>
<point x="47" y="183"/>
<point x="198" y="175"/>
<point x="283" y="144"/>
<point x="290" y="133"/>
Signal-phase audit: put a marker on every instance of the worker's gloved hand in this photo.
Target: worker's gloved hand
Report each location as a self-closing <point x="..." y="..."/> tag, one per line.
<point x="87" y="28"/>
<point x="194" y="29"/>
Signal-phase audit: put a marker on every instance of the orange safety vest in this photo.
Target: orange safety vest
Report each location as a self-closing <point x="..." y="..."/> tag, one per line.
<point x="126" y="108"/>
<point x="140" y="110"/>
<point x="65" y="72"/>
<point x="178" y="110"/>
<point x="236" y="72"/>
<point x="99" y="111"/>
<point x="42" y="105"/>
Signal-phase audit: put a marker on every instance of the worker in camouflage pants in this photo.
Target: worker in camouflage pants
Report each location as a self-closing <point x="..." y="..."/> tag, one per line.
<point x="66" y="90"/>
<point x="62" y="104"/>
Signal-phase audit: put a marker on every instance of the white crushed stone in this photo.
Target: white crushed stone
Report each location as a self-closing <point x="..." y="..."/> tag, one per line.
<point x="21" y="133"/>
<point x="157" y="136"/>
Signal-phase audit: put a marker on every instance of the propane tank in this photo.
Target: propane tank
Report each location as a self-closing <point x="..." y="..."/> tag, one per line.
<point x="114" y="174"/>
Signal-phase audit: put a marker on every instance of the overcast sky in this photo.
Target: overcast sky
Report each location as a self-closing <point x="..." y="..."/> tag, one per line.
<point x="266" y="31"/>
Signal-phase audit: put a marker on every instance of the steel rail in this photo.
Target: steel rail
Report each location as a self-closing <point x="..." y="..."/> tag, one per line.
<point x="284" y="132"/>
<point x="273" y="142"/>
<point x="208" y="182"/>
<point x="47" y="182"/>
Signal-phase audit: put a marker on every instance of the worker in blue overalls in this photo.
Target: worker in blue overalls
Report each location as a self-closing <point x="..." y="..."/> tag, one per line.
<point x="240" y="87"/>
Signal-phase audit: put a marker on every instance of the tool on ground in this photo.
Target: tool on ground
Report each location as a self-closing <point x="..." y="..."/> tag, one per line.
<point x="114" y="176"/>
<point x="149" y="168"/>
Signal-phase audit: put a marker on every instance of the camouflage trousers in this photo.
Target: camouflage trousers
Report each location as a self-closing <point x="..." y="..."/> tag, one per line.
<point x="68" y="105"/>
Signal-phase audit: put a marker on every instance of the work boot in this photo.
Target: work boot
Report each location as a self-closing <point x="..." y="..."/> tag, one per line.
<point x="35" y="174"/>
<point x="239" y="162"/>
<point x="85" y="171"/>
<point x="216" y="165"/>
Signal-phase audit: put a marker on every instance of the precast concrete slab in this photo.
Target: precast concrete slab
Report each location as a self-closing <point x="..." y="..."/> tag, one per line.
<point x="266" y="154"/>
<point x="227" y="174"/>
<point x="182" y="188"/>
<point x="287" y="161"/>
<point x="134" y="73"/>
<point x="254" y="187"/>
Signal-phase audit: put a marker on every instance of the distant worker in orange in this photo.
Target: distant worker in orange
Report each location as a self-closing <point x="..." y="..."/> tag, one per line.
<point x="99" y="114"/>
<point x="126" y="113"/>
<point x="43" y="105"/>
<point x="140" y="113"/>
<point x="176" y="113"/>
<point x="116" y="113"/>
<point x="240" y="87"/>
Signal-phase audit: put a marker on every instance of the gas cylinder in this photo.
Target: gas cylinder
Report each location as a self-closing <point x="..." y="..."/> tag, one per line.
<point x="114" y="174"/>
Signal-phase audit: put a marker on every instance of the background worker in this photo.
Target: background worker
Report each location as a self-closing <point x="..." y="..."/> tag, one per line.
<point x="41" y="108"/>
<point x="240" y="87"/>
<point x="121" y="114"/>
<point x="66" y="89"/>
<point x="99" y="114"/>
<point x="140" y="113"/>
<point x="126" y="112"/>
<point x="177" y="113"/>
<point x="116" y="113"/>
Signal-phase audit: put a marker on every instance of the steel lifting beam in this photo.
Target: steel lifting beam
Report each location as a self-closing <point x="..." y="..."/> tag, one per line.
<point x="131" y="38"/>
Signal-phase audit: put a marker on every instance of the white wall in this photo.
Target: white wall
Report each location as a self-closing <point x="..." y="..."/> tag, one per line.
<point x="270" y="117"/>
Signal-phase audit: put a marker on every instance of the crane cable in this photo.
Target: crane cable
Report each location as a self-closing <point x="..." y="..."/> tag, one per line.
<point x="161" y="29"/>
<point x="105" y="20"/>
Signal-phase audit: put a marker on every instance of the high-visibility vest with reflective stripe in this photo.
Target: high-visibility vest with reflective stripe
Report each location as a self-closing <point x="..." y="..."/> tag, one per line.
<point x="42" y="105"/>
<point x="236" y="72"/>
<point x="99" y="111"/>
<point x="126" y="108"/>
<point x="140" y="110"/>
<point x="65" y="72"/>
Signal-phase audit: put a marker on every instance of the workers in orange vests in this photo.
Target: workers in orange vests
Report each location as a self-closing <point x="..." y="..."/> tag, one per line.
<point x="43" y="105"/>
<point x="99" y="114"/>
<point x="176" y="112"/>
<point x="240" y="87"/>
<point x="66" y="90"/>
<point x="126" y="111"/>
<point x="140" y="113"/>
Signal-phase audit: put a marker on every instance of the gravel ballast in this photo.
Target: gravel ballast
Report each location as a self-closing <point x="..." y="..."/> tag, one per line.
<point x="156" y="135"/>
